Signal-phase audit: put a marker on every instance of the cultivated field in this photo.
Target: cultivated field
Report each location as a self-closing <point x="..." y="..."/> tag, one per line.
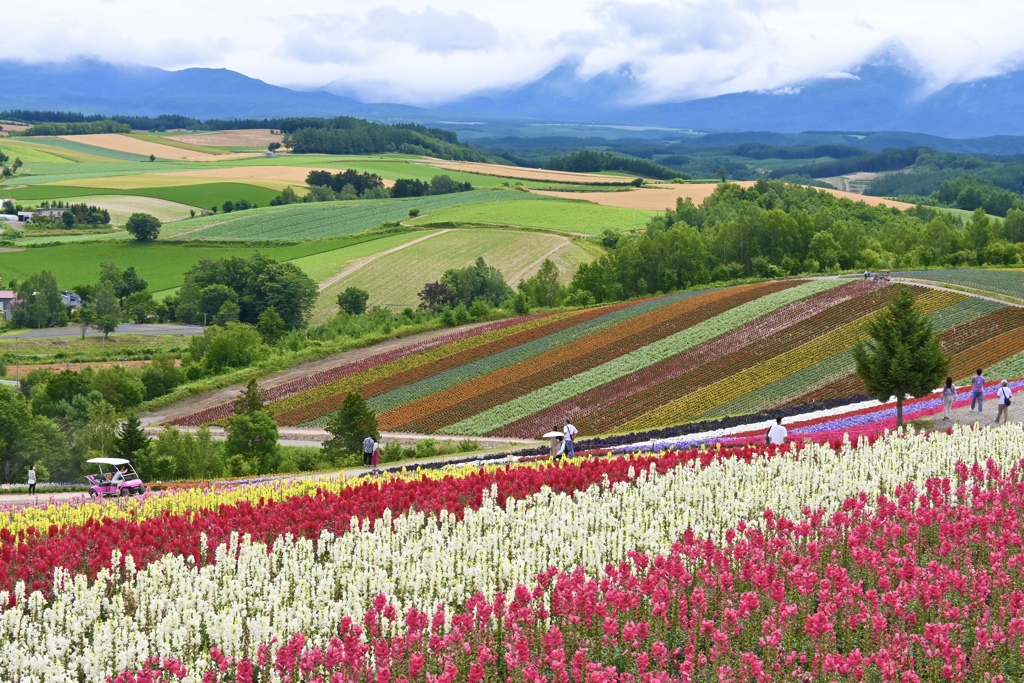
<point x="643" y="364"/>
<point x="252" y="137"/>
<point x="1006" y="282"/>
<point x="394" y="280"/>
<point x="576" y="216"/>
<point x="133" y="145"/>
<point x="121" y="207"/>
<point x="528" y="173"/>
<point x="661" y="197"/>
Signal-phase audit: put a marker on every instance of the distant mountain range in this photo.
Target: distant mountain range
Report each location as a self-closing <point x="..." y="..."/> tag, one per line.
<point x="882" y="95"/>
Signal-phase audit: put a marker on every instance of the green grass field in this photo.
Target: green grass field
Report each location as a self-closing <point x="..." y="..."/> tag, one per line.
<point x="328" y="219"/>
<point x="329" y="263"/>
<point x="81" y="147"/>
<point x="550" y="214"/>
<point x="32" y="154"/>
<point x="161" y="264"/>
<point x="201" y="195"/>
<point x="394" y="279"/>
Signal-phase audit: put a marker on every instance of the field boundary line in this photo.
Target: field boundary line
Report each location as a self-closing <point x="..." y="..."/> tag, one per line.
<point x="521" y="275"/>
<point x="359" y="263"/>
<point x="963" y="289"/>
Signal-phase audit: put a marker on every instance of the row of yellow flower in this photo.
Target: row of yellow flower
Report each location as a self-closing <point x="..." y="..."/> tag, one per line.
<point x="827" y="345"/>
<point x="190" y="501"/>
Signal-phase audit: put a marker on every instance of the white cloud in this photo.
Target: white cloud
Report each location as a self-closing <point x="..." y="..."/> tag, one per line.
<point x="401" y="50"/>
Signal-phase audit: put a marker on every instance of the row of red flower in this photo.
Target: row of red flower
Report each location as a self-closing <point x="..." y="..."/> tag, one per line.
<point x="453" y="405"/>
<point x="32" y="555"/>
<point x="316" y="379"/>
<point x="601" y="408"/>
<point x="925" y="586"/>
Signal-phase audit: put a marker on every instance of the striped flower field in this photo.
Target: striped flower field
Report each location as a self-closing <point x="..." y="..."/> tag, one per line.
<point x="642" y="364"/>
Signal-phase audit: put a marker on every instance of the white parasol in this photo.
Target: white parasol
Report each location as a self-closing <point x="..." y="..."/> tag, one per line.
<point x="552" y="435"/>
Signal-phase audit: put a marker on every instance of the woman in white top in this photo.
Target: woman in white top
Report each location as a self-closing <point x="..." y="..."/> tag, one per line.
<point x="1003" y="393"/>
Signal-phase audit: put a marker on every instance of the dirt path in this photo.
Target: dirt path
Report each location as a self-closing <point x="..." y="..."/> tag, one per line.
<point x="227" y="394"/>
<point x="309" y="436"/>
<point x="359" y="263"/>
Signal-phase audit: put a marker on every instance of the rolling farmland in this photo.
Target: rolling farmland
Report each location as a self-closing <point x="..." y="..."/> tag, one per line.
<point x="1008" y="282"/>
<point x="395" y="279"/>
<point x="648" y="364"/>
<point x="565" y="215"/>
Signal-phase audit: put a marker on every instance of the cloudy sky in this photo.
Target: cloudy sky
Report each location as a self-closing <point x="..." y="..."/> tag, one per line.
<point x="411" y="51"/>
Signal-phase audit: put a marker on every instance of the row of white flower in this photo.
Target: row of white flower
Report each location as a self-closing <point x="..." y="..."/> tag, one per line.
<point x="89" y="630"/>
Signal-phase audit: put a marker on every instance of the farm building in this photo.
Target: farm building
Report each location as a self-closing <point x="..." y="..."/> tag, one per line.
<point x="70" y="299"/>
<point x="7" y="301"/>
<point x="50" y="213"/>
<point x="25" y="216"/>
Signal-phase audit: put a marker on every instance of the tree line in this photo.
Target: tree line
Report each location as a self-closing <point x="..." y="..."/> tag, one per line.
<point x="593" y="161"/>
<point x="347" y="135"/>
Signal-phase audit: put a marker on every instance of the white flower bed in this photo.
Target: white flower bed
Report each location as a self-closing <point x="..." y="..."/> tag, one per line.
<point x="93" y="629"/>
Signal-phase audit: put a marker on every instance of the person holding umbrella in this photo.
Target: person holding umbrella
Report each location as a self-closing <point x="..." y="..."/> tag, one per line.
<point x="554" y="437"/>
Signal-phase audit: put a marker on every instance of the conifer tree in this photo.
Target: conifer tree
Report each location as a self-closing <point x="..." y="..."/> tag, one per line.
<point x="903" y="356"/>
<point x="131" y="441"/>
<point x="250" y="400"/>
<point x="352" y="423"/>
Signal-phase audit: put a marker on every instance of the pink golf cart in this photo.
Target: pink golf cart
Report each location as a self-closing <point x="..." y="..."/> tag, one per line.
<point x="118" y="478"/>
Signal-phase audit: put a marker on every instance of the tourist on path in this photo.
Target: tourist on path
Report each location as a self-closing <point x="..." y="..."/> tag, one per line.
<point x="375" y="458"/>
<point x="777" y="434"/>
<point x="977" y="389"/>
<point x="556" y="443"/>
<point x="570" y="432"/>
<point x="948" y="396"/>
<point x="368" y="443"/>
<point x="1003" y="393"/>
<point x="32" y="480"/>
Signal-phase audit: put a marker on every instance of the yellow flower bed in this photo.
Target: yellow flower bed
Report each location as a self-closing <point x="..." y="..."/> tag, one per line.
<point x="773" y="369"/>
<point x="189" y="501"/>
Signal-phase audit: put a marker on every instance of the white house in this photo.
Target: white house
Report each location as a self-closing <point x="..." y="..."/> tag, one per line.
<point x="7" y="302"/>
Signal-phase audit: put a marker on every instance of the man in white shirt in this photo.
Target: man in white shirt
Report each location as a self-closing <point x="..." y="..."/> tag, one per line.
<point x="777" y="434"/>
<point x="570" y="433"/>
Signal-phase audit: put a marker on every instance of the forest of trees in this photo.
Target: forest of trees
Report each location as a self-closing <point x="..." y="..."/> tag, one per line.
<point x="592" y="161"/>
<point x="79" y="128"/>
<point x="773" y="229"/>
<point x="347" y="135"/>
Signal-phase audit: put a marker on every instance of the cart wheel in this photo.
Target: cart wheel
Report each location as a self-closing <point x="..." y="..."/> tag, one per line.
<point x="125" y="492"/>
<point x="139" y="490"/>
<point x="93" y="494"/>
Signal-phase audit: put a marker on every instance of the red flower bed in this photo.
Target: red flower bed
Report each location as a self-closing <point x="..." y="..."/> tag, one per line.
<point x="925" y="586"/>
<point x="32" y="555"/>
<point x="605" y="407"/>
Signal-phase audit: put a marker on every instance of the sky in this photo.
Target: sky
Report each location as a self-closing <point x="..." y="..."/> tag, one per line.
<point x="425" y="54"/>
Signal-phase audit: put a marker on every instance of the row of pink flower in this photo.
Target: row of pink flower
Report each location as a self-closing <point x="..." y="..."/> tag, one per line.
<point x="313" y="380"/>
<point x="925" y="586"/>
<point x="31" y="555"/>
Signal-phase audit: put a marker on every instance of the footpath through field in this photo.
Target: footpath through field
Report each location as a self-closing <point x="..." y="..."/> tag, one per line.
<point x="360" y="263"/>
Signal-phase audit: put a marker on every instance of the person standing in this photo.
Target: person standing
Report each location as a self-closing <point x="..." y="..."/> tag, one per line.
<point x="977" y="389"/>
<point x="777" y="434"/>
<point x="375" y="458"/>
<point x="368" y="443"/>
<point x="1003" y="393"/>
<point x="555" y="443"/>
<point x="570" y="433"/>
<point x="948" y="397"/>
<point x="32" y="480"/>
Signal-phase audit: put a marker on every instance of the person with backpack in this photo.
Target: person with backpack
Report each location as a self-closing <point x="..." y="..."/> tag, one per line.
<point x="1003" y="393"/>
<point x="570" y="433"/>
<point x="948" y="397"/>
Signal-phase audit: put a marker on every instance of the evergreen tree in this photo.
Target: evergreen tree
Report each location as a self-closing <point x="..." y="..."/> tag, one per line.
<point x="250" y="400"/>
<point x="271" y="326"/>
<point x="352" y="423"/>
<point x="903" y="356"/>
<point x="131" y="442"/>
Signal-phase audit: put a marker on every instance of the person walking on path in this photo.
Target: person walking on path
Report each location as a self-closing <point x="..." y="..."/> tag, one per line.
<point x="32" y="480"/>
<point x="777" y="434"/>
<point x="368" y="444"/>
<point x="977" y="389"/>
<point x="375" y="458"/>
<point x="570" y="433"/>
<point x="948" y="397"/>
<point x="1003" y="393"/>
<point x="556" y="443"/>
